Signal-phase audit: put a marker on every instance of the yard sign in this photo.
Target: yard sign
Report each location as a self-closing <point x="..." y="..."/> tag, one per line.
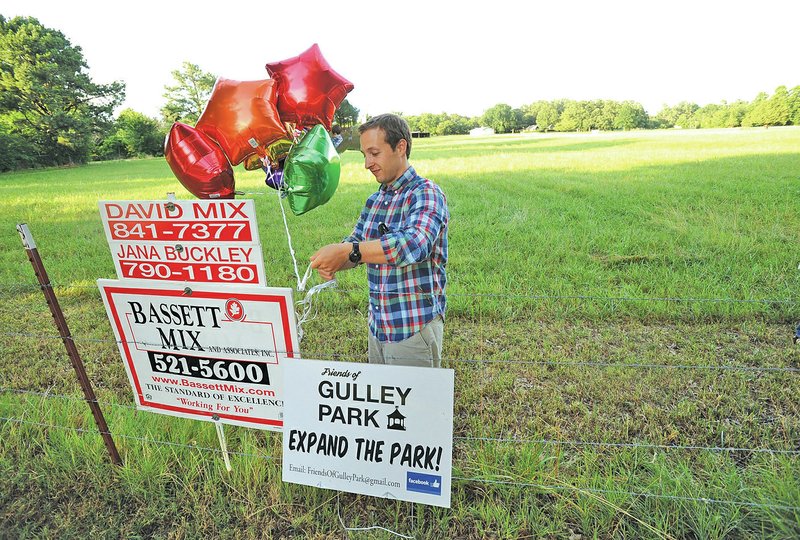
<point x="206" y="241"/>
<point x="385" y="431"/>
<point x="213" y="351"/>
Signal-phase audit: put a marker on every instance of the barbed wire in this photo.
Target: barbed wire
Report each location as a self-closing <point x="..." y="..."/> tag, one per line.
<point x="454" y="360"/>
<point x="516" y="440"/>
<point x="649" y="446"/>
<point x="134" y="437"/>
<point x="664" y="299"/>
<point x="488" y="481"/>
<point x="643" y="494"/>
<point x="47" y="394"/>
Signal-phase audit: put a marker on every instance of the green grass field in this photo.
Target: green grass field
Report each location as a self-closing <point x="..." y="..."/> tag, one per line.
<point x="621" y="309"/>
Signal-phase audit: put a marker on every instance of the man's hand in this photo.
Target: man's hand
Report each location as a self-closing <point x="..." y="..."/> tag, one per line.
<point x="330" y="259"/>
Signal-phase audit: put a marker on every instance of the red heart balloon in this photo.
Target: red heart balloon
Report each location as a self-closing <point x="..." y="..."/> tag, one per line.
<point x="199" y="164"/>
<point x="309" y="90"/>
<point x="242" y="116"/>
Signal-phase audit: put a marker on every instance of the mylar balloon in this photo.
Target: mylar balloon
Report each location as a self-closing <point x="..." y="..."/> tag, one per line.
<point x="199" y="163"/>
<point x="311" y="172"/>
<point x="277" y="152"/>
<point x="309" y="90"/>
<point x="242" y="116"/>
<point x="253" y="163"/>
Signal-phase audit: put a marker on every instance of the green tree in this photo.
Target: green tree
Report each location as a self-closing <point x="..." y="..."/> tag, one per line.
<point x="346" y="115"/>
<point x="188" y="97"/>
<point x="794" y="106"/>
<point x="48" y="102"/>
<point x="546" y="116"/>
<point x="778" y="108"/>
<point x="602" y="114"/>
<point x="141" y="134"/>
<point x="630" y="115"/>
<point x="502" y="118"/>
<point x="428" y="122"/>
<point x="455" y="124"/>
<point x="681" y="115"/>
<point x="756" y="114"/>
<point x="413" y="122"/>
<point x="110" y="147"/>
<point x="15" y="153"/>
<point x="711" y="116"/>
<point x="734" y="112"/>
<point x="572" y="117"/>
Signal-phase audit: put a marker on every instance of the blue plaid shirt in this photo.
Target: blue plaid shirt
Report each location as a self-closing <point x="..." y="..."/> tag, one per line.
<point x="409" y="291"/>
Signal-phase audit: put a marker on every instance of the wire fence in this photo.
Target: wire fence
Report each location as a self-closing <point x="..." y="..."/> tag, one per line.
<point x="458" y="360"/>
<point x="488" y="481"/>
<point x="791" y="451"/>
<point x="498" y="439"/>
<point x="33" y="287"/>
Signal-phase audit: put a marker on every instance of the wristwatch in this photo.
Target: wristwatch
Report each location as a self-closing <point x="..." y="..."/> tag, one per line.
<point x="355" y="255"/>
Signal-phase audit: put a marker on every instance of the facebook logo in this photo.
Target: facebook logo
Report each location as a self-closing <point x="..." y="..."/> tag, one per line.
<point x="423" y="483"/>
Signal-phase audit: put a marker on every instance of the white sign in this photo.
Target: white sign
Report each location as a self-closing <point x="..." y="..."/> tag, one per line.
<point x="385" y="431"/>
<point x="194" y="262"/>
<point x="180" y="221"/>
<point x="212" y="351"/>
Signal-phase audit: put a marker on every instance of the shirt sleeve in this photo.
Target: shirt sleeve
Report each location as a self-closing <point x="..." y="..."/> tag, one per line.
<point x="414" y="242"/>
<point x="358" y="231"/>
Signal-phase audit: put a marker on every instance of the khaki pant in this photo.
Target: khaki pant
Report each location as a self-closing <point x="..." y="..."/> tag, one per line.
<point x="423" y="349"/>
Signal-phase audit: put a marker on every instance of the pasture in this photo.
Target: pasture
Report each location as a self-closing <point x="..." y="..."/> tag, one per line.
<point x="621" y="309"/>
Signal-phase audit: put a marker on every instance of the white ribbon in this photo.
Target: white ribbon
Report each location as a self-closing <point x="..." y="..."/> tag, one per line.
<point x="305" y="306"/>
<point x="304" y="310"/>
<point x="301" y="283"/>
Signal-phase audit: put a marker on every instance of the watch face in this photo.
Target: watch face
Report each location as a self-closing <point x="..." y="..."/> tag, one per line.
<point x="355" y="255"/>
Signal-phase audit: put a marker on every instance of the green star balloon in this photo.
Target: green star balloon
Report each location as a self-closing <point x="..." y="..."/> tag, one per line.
<point x="311" y="172"/>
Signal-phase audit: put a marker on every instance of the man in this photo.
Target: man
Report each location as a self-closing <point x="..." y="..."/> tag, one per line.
<point x="336" y="136"/>
<point x="402" y="238"/>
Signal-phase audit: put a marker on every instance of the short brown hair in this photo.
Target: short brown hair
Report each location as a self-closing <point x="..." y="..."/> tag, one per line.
<point x="394" y="129"/>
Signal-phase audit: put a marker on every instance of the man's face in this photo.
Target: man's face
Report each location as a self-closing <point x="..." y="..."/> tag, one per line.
<point x="386" y="164"/>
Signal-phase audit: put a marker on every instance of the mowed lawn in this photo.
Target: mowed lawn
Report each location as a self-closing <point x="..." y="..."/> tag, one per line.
<point x="621" y="308"/>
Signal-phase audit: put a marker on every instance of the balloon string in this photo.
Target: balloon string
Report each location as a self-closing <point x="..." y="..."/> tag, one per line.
<point x="301" y="283"/>
<point x="305" y="305"/>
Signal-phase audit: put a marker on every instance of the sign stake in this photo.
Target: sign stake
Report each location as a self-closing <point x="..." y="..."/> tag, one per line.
<point x="66" y="337"/>
<point x="223" y="442"/>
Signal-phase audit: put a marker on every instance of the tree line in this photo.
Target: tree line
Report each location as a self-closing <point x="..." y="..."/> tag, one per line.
<point x="52" y="113"/>
<point x="782" y="108"/>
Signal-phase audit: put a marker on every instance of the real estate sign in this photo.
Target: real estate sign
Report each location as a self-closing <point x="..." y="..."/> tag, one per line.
<point x="205" y="241"/>
<point x="208" y="352"/>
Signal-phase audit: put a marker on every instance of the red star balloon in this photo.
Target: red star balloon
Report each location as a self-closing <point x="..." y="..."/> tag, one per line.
<point x="309" y="90"/>
<point x="199" y="163"/>
<point x="242" y="116"/>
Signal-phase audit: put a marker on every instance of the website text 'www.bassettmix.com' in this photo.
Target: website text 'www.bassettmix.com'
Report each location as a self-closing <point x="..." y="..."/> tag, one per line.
<point x="342" y="475"/>
<point x="217" y="387"/>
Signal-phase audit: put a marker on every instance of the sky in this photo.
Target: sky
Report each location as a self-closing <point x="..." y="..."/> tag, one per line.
<point x="444" y="56"/>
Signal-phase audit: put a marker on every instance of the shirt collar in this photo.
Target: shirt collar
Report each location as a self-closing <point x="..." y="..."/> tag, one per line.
<point x="403" y="181"/>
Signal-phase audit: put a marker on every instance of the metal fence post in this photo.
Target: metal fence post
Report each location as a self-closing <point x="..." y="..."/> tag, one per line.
<point x="69" y="343"/>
